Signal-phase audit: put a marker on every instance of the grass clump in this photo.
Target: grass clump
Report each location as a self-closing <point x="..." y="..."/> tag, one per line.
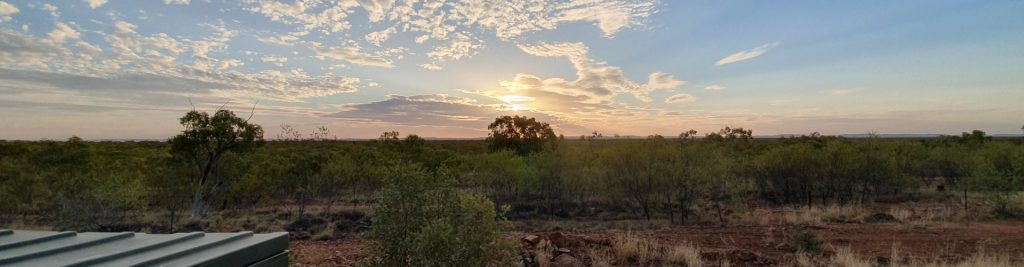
<point x="685" y="254"/>
<point x="807" y="241"/>
<point x="631" y="248"/>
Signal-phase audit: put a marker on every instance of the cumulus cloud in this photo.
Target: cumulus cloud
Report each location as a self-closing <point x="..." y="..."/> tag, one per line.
<point x="610" y="16"/>
<point x="451" y="23"/>
<point x="459" y="47"/>
<point x="428" y="66"/>
<point x="661" y="80"/>
<point x="308" y="15"/>
<point x="177" y="2"/>
<point x="590" y="98"/>
<point x="50" y="8"/>
<point x="680" y="98"/>
<point x="284" y="39"/>
<point x="351" y="54"/>
<point x="279" y="61"/>
<point x="143" y="65"/>
<point x="201" y="49"/>
<point x="121" y="64"/>
<point x="6" y="10"/>
<point x="595" y="79"/>
<point x="375" y="8"/>
<point x="21" y="51"/>
<point x="378" y="37"/>
<point x="95" y="3"/>
<point x="745" y="55"/>
<point x="510" y="19"/>
<point x="61" y="32"/>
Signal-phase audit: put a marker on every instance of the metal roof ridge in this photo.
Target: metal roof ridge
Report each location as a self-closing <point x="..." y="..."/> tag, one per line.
<point x="37" y="240"/>
<point x="45" y="252"/>
<point x="121" y="254"/>
<point x="187" y="251"/>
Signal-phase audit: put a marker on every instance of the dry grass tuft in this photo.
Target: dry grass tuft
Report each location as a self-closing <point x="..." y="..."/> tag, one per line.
<point x="901" y="214"/>
<point x="982" y="259"/>
<point x="803" y="260"/>
<point x="846" y="258"/>
<point x="815" y="215"/>
<point x="686" y="254"/>
<point x="925" y="217"/>
<point x="630" y="247"/>
<point x="543" y="257"/>
<point x="601" y="260"/>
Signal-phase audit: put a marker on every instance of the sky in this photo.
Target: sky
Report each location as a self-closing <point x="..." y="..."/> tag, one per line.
<point x="119" y="69"/>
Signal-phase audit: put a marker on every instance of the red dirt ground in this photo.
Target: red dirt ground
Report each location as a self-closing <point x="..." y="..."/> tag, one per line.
<point x="346" y="251"/>
<point x="761" y="245"/>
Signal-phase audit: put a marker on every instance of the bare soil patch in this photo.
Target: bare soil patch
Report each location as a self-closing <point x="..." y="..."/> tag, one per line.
<point x="755" y="245"/>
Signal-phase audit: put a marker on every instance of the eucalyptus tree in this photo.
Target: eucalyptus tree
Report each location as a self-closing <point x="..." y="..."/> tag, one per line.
<point x="204" y="141"/>
<point x="520" y="134"/>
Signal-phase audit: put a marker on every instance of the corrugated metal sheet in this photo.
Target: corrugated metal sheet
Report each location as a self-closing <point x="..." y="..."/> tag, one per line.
<point x="47" y="248"/>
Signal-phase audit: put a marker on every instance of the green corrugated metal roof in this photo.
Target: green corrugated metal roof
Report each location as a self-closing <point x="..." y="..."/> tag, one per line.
<point x="47" y="248"/>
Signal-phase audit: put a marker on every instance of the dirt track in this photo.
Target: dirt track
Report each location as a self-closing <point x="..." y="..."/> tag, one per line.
<point x="763" y="245"/>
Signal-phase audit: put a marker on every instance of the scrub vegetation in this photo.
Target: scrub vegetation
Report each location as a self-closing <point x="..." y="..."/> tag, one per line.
<point x="464" y="203"/>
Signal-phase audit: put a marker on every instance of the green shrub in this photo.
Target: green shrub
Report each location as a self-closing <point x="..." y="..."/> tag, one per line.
<point x="420" y="220"/>
<point x="807" y="241"/>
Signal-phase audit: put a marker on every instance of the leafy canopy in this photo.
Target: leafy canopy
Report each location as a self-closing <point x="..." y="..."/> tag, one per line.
<point x="520" y="134"/>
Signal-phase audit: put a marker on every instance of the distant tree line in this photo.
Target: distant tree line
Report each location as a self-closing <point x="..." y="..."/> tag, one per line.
<point x="221" y="162"/>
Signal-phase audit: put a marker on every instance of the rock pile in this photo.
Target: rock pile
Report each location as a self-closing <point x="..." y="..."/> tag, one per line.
<point x="551" y="248"/>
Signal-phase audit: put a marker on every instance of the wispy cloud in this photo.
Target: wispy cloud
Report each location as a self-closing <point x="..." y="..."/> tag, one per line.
<point x="714" y="87"/>
<point x="680" y="98"/>
<point x="745" y="55"/>
<point x="843" y="92"/>
<point x="175" y="2"/>
<point x="432" y="110"/>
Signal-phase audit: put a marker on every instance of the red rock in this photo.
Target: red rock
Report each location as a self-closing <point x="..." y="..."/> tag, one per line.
<point x="565" y="260"/>
<point x="532" y="239"/>
<point x="558" y="239"/>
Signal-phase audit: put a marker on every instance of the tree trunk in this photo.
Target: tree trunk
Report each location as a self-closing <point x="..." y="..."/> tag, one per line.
<point x="330" y="202"/>
<point x="683" y="214"/>
<point x="174" y="212"/>
<point x="647" y="211"/>
<point x="721" y="220"/>
<point x="198" y="207"/>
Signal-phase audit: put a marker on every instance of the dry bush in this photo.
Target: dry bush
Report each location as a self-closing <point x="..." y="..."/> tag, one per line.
<point x="686" y="254"/>
<point x="631" y="247"/>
